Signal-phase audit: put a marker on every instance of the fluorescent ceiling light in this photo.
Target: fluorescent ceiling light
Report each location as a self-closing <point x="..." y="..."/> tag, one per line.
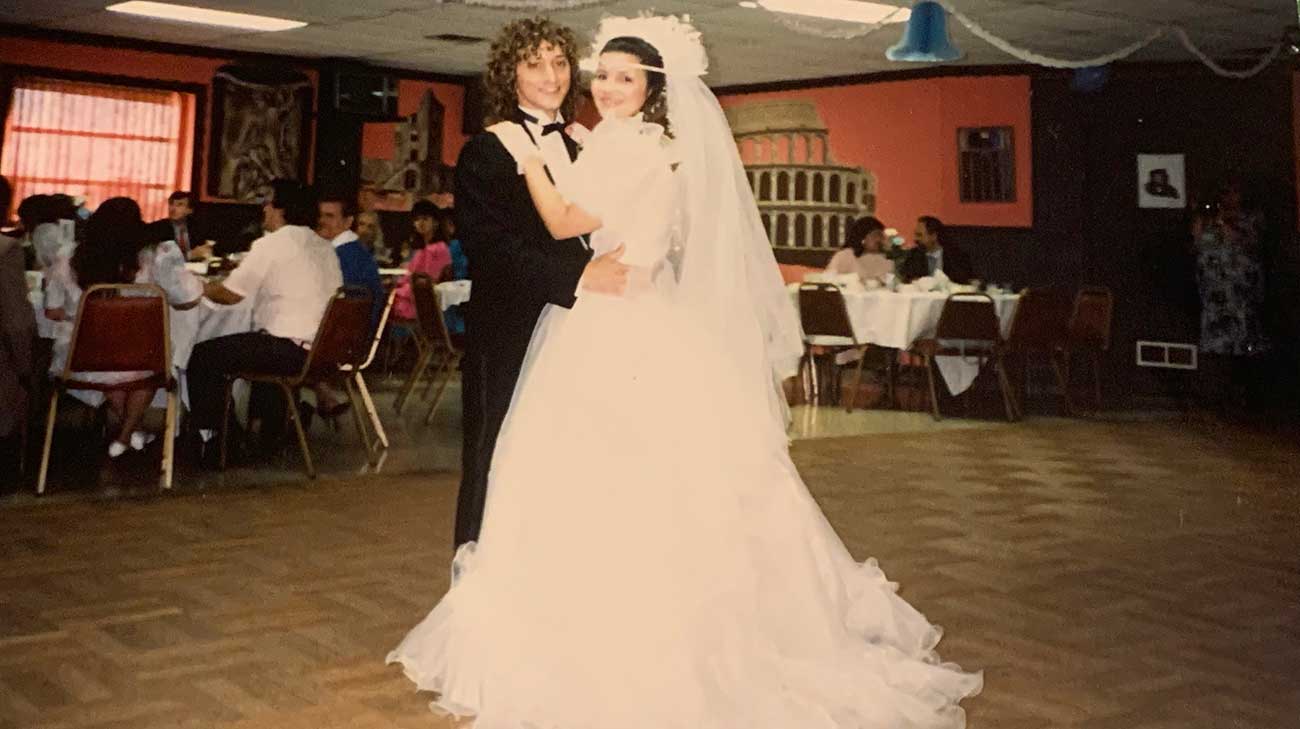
<point x="188" y="14"/>
<point x="851" y="11"/>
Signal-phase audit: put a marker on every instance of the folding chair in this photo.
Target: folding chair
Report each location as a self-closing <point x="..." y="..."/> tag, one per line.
<point x="340" y="342"/>
<point x="968" y="325"/>
<point x="119" y="328"/>
<point x="825" y="318"/>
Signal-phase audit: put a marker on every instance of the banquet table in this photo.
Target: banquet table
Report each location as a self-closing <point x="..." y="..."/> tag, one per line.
<point x="898" y="318"/>
<point x="451" y="293"/>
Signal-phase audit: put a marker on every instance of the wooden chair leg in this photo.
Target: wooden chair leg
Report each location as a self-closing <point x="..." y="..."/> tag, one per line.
<point x="857" y="379"/>
<point x="417" y="372"/>
<point x="1004" y="384"/>
<point x="291" y="403"/>
<point x="446" y="373"/>
<point x="49" y="437"/>
<point x="223" y="432"/>
<point x="371" y="410"/>
<point x="816" y="381"/>
<point x="441" y="359"/>
<point x="359" y="421"/>
<point x="934" y="392"/>
<point x="169" y="439"/>
<point x="1096" y="379"/>
<point x="1065" y="376"/>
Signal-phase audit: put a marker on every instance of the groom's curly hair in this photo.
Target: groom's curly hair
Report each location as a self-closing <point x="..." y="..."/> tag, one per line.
<point x="516" y="42"/>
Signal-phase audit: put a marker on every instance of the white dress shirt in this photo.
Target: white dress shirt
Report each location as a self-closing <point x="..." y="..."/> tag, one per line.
<point x="554" y="153"/>
<point x="344" y="238"/>
<point x="290" y="275"/>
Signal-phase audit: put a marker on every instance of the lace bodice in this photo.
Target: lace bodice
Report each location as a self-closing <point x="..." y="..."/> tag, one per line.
<point x="624" y="176"/>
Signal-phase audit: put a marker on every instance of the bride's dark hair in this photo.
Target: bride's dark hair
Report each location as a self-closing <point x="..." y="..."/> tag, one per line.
<point x="655" y="107"/>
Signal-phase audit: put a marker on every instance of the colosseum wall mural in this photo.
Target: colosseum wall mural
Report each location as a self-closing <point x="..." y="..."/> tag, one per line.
<point x="807" y="199"/>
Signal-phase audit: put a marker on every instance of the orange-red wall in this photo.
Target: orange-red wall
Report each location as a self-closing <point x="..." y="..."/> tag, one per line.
<point x="377" y="141"/>
<point x="167" y="67"/>
<point x="906" y="133"/>
<point x="177" y="68"/>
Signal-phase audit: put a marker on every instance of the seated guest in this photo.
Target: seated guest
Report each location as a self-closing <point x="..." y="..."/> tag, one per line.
<point x="337" y="214"/>
<point x="369" y="231"/>
<point x="430" y="258"/>
<point x="116" y="250"/>
<point x="290" y="274"/>
<point x="43" y="236"/>
<point x="17" y="328"/>
<point x="454" y="317"/>
<point x="863" y="254"/>
<point x="179" y="227"/>
<point x="425" y="226"/>
<point x="931" y="255"/>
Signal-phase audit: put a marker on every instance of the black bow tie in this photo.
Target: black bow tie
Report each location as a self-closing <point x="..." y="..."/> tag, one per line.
<point x="552" y="128"/>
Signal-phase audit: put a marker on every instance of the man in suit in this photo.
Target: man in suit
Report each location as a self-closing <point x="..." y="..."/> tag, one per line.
<point x="514" y="264"/>
<point x="931" y="255"/>
<point x="179" y="226"/>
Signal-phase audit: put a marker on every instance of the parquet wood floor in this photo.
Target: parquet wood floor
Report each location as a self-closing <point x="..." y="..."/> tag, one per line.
<point x="1104" y="575"/>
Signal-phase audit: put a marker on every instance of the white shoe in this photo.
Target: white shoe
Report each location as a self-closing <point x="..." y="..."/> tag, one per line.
<point x="140" y="439"/>
<point x="116" y="449"/>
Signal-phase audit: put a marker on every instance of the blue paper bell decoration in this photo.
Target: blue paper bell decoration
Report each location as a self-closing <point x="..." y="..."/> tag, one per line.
<point x="925" y="39"/>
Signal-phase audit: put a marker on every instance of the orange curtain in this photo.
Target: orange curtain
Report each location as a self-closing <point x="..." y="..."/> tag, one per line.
<point x="99" y="141"/>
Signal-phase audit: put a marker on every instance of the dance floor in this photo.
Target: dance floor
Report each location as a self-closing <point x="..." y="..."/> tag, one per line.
<point x="1105" y="575"/>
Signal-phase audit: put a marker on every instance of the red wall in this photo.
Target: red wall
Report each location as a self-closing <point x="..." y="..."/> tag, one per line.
<point x="167" y="67"/>
<point x="177" y="68"/>
<point x="377" y="141"/>
<point x="906" y="133"/>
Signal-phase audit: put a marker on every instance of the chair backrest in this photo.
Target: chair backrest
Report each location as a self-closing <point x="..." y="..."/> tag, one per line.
<point x="1041" y="320"/>
<point x="121" y="328"/>
<point x="823" y="311"/>
<point x="343" y="335"/>
<point x="427" y="311"/>
<point x="1090" y="322"/>
<point x="970" y="317"/>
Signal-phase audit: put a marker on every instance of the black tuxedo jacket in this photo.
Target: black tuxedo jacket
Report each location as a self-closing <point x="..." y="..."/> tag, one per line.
<point x="956" y="265"/>
<point x="517" y="268"/>
<point x="162" y="230"/>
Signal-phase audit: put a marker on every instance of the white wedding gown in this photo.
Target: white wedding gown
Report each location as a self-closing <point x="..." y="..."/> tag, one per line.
<point x="649" y="557"/>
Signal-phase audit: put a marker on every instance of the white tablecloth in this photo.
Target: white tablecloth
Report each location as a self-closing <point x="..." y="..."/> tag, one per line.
<point x="451" y="293"/>
<point x="897" y="319"/>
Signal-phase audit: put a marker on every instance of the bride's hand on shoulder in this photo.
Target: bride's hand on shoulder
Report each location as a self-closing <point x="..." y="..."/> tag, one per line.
<point x="578" y="133"/>
<point x="517" y="143"/>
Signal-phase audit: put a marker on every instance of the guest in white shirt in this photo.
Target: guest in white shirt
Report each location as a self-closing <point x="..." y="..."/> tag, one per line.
<point x="863" y="253"/>
<point x="290" y="273"/>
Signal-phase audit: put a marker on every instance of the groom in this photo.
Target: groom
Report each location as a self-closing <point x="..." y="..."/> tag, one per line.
<point x="515" y="265"/>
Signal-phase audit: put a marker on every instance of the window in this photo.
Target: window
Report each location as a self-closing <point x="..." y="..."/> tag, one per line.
<point x="801" y="186"/>
<point x="835" y="188"/>
<point x="987" y="164"/>
<point x="819" y="187"/>
<point x="817" y="234"/>
<point x="783" y="186"/>
<point x="99" y="141"/>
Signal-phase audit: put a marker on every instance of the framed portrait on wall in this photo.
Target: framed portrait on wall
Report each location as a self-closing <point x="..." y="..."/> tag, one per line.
<point x="1162" y="182"/>
<point x="261" y="130"/>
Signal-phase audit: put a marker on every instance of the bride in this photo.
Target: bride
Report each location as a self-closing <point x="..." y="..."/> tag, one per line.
<point x="649" y="557"/>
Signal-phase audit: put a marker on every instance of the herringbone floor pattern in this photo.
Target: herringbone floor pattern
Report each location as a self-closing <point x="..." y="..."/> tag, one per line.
<point x="1105" y="576"/>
